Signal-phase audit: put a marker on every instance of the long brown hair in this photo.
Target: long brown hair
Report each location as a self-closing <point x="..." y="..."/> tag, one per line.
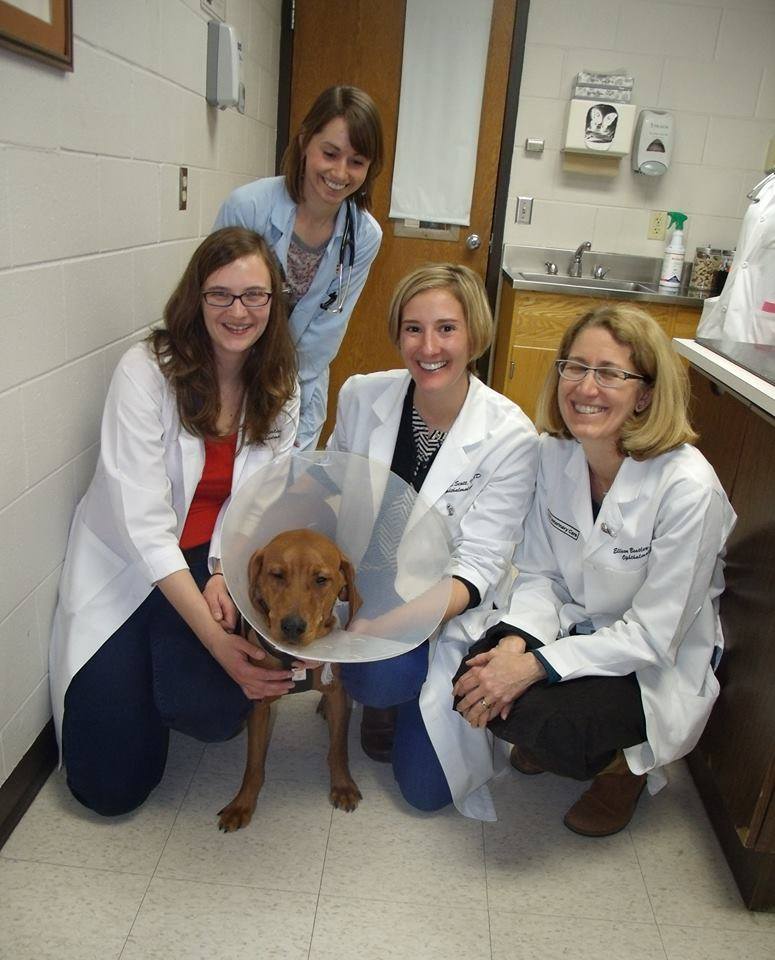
<point x="364" y="128"/>
<point x="184" y="350"/>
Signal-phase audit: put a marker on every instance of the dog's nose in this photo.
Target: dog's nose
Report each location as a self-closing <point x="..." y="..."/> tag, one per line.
<point x="293" y="626"/>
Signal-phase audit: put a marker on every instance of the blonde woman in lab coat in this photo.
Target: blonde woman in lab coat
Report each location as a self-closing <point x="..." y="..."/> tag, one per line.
<point x="471" y="454"/>
<point x="143" y="637"/>
<point x="602" y="665"/>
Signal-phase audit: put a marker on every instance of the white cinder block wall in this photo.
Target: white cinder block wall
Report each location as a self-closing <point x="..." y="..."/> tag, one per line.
<point x="709" y="62"/>
<point x="91" y="243"/>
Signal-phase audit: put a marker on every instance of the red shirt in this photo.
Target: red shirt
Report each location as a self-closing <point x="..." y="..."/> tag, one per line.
<point x="213" y="488"/>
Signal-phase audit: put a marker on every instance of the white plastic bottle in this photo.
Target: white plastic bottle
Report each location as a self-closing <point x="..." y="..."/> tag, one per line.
<point x="675" y="251"/>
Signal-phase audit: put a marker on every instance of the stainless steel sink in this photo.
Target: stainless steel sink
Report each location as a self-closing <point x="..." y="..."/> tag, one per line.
<point x="586" y="283"/>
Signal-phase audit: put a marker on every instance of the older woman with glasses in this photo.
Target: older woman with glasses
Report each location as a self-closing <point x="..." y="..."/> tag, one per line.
<point x="603" y="665"/>
<point x="144" y="632"/>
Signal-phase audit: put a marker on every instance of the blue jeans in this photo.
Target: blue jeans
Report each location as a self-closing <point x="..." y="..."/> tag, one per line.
<point x="397" y="683"/>
<point x="151" y="676"/>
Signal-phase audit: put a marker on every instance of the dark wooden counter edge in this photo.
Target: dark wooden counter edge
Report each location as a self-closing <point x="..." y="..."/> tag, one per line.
<point x="21" y="788"/>
<point x="754" y="872"/>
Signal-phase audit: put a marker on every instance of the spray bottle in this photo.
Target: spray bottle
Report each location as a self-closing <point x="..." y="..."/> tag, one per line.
<point x="672" y="265"/>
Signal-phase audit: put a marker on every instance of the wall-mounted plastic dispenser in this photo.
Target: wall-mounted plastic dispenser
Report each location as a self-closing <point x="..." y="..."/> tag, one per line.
<point x="653" y="144"/>
<point x="224" y="54"/>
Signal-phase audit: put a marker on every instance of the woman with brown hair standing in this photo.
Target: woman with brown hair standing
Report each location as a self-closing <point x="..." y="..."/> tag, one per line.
<point x="316" y="219"/>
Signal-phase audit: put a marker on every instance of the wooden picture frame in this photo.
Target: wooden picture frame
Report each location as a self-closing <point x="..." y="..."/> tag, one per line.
<point x="26" y="34"/>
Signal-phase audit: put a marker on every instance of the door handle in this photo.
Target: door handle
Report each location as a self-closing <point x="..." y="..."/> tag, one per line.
<point x="473" y="241"/>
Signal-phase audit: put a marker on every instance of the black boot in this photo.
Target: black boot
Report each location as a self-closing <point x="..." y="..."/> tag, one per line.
<point x="377" y="729"/>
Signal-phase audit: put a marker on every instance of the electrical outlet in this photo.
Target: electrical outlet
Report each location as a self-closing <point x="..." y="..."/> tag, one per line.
<point x="657" y="225"/>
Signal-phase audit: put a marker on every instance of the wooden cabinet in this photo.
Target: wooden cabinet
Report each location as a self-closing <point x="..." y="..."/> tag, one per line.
<point x="734" y="763"/>
<point x="531" y="325"/>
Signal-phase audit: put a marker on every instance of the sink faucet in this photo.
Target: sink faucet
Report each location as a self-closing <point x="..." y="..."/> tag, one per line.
<point x="574" y="267"/>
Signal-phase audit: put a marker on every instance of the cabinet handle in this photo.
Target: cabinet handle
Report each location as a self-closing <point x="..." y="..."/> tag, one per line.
<point x="512" y="367"/>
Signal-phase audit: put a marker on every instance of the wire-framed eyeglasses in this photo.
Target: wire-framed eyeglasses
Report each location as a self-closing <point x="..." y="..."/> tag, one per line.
<point x="249" y="298"/>
<point x="611" y="377"/>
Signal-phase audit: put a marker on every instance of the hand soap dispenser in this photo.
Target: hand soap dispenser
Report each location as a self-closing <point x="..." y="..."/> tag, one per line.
<point x="653" y="143"/>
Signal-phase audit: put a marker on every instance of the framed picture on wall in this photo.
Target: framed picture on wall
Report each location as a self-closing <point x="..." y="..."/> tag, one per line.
<point x="39" y="28"/>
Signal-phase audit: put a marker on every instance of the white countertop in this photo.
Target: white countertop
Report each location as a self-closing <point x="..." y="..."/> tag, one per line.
<point x="747" y="385"/>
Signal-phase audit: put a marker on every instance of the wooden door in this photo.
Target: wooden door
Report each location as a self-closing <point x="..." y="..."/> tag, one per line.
<point x="360" y="42"/>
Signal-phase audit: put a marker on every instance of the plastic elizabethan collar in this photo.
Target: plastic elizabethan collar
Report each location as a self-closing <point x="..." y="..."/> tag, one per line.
<point x="397" y="543"/>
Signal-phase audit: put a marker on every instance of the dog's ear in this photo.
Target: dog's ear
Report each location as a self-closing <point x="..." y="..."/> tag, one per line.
<point x="254" y="571"/>
<point x="349" y="591"/>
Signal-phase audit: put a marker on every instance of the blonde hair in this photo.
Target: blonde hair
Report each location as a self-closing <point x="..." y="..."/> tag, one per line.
<point x="364" y="129"/>
<point x="464" y="285"/>
<point x="664" y="423"/>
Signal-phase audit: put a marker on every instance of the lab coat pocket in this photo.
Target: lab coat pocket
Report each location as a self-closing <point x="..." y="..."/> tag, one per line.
<point x="764" y="325"/>
<point x="90" y="565"/>
<point x="611" y="590"/>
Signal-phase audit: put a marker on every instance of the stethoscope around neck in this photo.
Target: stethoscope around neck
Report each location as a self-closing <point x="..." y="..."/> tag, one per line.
<point x="335" y="301"/>
<point x="753" y="196"/>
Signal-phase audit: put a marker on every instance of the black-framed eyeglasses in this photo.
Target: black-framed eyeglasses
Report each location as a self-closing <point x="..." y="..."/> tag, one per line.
<point x="611" y="377"/>
<point x="249" y="299"/>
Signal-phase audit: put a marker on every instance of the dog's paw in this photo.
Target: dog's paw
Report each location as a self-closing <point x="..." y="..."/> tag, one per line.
<point x="345" y="796"/>
<point x="234" y="816"/>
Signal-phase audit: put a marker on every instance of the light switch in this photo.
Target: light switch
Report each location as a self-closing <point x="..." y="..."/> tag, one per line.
<point x="183" y="188"/>
<point x="524" y="210"/>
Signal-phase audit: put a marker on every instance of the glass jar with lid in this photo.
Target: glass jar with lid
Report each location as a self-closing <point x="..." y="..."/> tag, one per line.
<point x="707" y="261"/>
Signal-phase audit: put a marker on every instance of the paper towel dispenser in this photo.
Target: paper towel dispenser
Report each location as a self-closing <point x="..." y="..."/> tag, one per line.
<point x="597" y="127"/>
<point x="224" y="53"/>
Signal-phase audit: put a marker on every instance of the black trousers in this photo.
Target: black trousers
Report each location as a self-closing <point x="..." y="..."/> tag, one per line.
<point x="572" y="728"/>
<point x="151" y="676"/>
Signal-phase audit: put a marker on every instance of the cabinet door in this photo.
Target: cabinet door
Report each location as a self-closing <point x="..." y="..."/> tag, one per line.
<point x="738" y="744"/>
<point x="685" y="322"/>
<point x="540" y="319"/>
<point x="528" y="367"/>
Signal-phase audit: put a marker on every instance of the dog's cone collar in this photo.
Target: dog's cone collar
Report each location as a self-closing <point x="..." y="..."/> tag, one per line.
<point x="397" y="543"/>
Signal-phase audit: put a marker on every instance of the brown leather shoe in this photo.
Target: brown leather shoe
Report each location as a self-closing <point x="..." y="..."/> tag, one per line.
<point x="377" y="730"/>
<point x="522" y="761"/>
<point x="608" y="805"/>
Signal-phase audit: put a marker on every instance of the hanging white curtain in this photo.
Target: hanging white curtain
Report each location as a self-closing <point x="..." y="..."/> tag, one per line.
<point x="442" y="79"/>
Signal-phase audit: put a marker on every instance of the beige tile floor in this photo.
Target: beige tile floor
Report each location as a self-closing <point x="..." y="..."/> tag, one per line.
<point x="306" y="881"/>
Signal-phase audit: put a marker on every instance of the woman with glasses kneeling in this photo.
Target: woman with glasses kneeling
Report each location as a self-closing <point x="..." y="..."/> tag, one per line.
<point x="602" y="667"/>
<point x="471" y="454"/>
<point x="143" y="637"/>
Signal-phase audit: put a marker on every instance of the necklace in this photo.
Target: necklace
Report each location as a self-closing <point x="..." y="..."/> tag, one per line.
<point x="598" y="488"/>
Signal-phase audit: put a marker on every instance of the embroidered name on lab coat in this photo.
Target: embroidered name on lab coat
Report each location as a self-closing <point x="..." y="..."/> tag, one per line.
<point x="562" y="526"/>
<point x="632" y="553"/>
<point x="463" y="486"/>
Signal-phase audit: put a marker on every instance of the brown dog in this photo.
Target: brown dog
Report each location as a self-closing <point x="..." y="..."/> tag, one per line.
<point x="296" y="579"/>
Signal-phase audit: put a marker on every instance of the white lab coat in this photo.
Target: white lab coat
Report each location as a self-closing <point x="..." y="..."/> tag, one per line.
<point x="481" y="483"/>
<point x="124" y="535"/>
<point x="266" y="207"/>
<point x="745" y="309"/>
<point x="647" y="573"/>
